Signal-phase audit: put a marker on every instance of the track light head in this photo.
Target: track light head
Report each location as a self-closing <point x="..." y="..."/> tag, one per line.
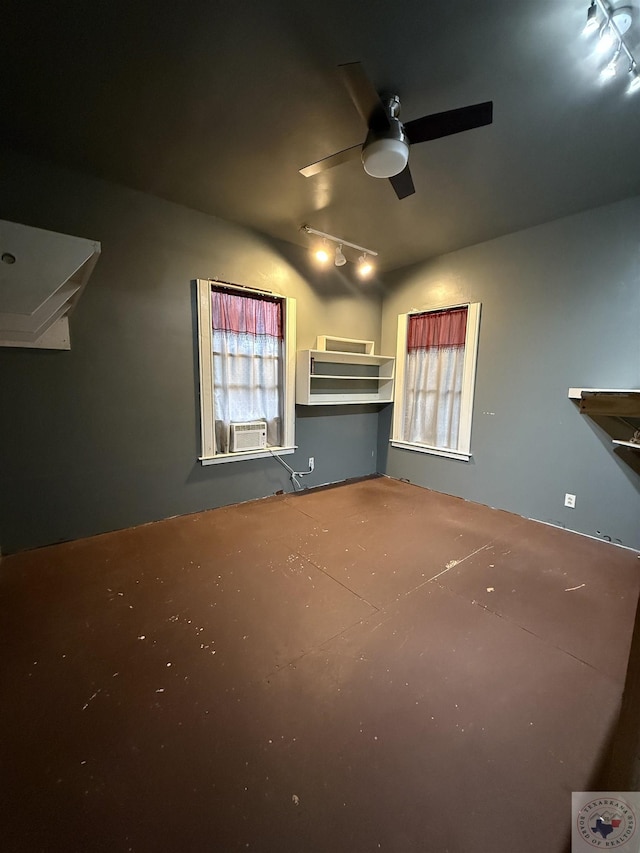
<point x="611" y="68"/>
<point x="340" y="259"/>
<point x="592" y="19"/>
<point x="321" y="253"/>
<point x="365" y="267"/>
<point x="634" y="82"/>
<point x="607" y="38"/>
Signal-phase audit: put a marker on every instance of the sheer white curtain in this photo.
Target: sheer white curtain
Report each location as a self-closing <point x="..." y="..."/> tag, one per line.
<point x="433" y="378"/>
<point x="247" y="364"/>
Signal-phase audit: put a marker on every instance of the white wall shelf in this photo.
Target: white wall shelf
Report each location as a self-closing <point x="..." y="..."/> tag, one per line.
<point x="329" y="343"/>
<point x="329" y="378"/>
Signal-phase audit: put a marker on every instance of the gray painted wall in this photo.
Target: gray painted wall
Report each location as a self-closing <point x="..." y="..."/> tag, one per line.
<point x="107" y="435"/>
<point x="560" y="308"/>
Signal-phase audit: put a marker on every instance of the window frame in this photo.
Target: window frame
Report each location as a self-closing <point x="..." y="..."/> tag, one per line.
<point x="208" y="456"/>
<point x="463" y="451"/>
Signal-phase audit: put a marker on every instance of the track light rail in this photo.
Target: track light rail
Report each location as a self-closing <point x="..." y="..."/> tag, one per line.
<point x="308" y="230"/>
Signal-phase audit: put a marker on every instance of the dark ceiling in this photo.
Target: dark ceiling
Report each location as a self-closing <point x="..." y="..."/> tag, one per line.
<point x="217" y="105"/>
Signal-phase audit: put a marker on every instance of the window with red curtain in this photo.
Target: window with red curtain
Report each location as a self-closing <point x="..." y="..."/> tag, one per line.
<point x="247" y="335"/>
<point x="434" y="374"/>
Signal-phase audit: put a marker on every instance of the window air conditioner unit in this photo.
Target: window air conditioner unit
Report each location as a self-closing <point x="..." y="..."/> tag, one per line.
<point x="249" y="436"/>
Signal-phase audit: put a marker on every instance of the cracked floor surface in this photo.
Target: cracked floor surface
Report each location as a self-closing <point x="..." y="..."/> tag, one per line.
<point x="366" y="667"/>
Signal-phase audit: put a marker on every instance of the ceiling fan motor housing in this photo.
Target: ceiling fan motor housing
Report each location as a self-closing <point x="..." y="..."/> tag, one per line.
<point x="386" y="153"/>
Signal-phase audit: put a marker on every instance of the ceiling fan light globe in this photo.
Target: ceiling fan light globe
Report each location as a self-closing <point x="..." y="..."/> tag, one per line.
<point x="384" y="158"/>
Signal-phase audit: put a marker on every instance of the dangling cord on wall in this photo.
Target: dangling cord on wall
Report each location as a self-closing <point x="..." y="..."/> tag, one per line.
<point x="294" y="474"/>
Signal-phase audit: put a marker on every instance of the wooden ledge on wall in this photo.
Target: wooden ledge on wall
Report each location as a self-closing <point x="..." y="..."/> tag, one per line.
<point x="619" y="403"/>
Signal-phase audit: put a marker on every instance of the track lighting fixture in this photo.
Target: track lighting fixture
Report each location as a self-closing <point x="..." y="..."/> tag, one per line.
<point x="321" y="253"/>
<point x="608" y="72"/>
<point x="612" y="24"/>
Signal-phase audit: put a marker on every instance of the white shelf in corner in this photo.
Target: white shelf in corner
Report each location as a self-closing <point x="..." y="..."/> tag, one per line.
<point x="330" y="378"/>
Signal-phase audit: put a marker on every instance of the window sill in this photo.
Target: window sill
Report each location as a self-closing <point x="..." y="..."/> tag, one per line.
<point x="433" y="451"/>
<point x="219" y="458"/>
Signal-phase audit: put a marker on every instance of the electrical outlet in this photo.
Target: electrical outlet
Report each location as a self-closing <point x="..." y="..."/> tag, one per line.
<point x="570" y="500"/>
<point x="312" y="463"/>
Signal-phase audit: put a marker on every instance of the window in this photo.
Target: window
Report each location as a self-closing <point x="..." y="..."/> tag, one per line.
<point x="247" y="360"/>
<point x="436" y="363"/>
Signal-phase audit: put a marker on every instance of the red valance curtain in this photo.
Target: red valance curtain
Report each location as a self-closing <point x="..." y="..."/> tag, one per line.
<point x="436" y="330"/>
<point x="246" y="314"/>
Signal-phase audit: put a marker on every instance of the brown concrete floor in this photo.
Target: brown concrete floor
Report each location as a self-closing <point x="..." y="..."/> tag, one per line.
<point x="363" y="668"/>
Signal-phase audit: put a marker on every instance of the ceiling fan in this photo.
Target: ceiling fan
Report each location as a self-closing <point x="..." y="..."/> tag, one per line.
<point x="385" y="151"/>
